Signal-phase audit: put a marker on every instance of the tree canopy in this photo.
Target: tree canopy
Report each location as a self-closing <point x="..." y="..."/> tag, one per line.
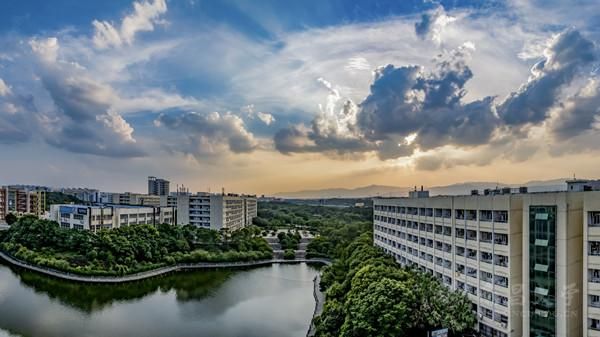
<point x="127" y="249"/>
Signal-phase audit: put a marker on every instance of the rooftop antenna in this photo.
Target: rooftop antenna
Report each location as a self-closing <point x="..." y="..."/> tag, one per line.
<point x="223" y="190"/>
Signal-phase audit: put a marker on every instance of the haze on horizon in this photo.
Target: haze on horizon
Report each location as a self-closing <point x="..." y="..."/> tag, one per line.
<point x="270" y="96"/>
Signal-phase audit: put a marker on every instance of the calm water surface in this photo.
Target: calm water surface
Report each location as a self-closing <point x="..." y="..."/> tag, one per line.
<point x="273" y="301"/>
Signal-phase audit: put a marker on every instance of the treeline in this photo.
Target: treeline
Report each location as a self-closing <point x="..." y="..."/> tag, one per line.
<point x="273" y="215"/>
<point x="335" y="227"/>
<point x="127" y="249"/>
<point x="368" y="294"/>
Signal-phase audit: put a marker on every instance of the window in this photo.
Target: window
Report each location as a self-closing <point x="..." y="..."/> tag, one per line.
<point x="486" y="276"/>
<point x="501" y="260"/>
<point x="594" y="275"/>
<point x="460" y="233"/>
<point x="459" y="214"/>
<point x="594" y="301"/>
<point x="485" y="237"/>
<point x="485" y="215"/>
<point x="65" y="225"/>
<point x="471" y="235"/>
<point x="501" y="281"/>
<point x="471" y="214"/>
<point x="594" y="218"/>
<point x="594" y="324"/>
<point x="77" y="216"/>
<point x="79" y="227"/>
<point x="501" y="239"/>
<point x="594" y="248"/>
<point x="486" y="295"/>
<point x="447" y="231"/>
<point x="472" y="254"/>
<point x="500" y="216"/>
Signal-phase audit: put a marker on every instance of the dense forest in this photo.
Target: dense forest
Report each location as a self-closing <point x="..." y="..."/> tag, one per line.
<point x="127" y="249"/>
<point x="336" y="226"/>
<point x="368" y="295"/>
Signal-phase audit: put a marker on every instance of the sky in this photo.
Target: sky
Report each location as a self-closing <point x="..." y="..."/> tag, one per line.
<point x="271" y="96"/>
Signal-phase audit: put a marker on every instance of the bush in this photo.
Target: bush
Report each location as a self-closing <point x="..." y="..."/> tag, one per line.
<point x="289" y="254"/>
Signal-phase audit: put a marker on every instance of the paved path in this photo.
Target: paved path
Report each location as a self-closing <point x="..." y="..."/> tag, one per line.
<point x="150" y="273"/>
<point x="319" y="301"/>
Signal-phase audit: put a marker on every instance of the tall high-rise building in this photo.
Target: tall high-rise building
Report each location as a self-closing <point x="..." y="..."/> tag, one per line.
<point x="158" y="186"/>
<point x="529" y="262"/>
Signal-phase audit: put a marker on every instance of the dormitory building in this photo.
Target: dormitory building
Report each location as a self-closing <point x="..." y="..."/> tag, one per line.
<point x="529" y="262"/>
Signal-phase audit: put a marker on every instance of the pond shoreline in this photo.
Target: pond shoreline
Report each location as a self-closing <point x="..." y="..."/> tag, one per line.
<point x="151" y="273"/>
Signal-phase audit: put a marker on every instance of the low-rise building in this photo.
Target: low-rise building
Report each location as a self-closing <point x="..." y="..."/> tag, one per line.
<point x="21" y="201"/>
<point x="95" y="218"/>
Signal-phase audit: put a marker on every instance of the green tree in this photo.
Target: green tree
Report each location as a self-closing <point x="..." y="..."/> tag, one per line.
<point x="10" y="218"/>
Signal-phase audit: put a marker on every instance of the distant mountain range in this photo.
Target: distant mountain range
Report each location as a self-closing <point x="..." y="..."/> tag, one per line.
<point x="396" y="191"/>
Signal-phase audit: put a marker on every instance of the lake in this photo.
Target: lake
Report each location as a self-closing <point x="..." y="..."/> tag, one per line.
<point x="274" y="301"/>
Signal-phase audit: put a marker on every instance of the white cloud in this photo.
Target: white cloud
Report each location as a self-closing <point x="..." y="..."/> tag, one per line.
<point x="4" y="88"/>
<point x="46" y="49"/>
<point x="266" y="117"/>
<point x="144" y="17"/>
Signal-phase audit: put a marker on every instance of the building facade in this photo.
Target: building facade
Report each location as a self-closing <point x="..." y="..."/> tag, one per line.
<point x="158" y="186"/>
<point x="21" y="201"/>
<point x="529" y="262"/>
<point x="95" y="218"/>
<point x="216" y="211"/>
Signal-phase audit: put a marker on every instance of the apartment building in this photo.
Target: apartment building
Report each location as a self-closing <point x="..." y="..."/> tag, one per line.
<point x="216" y="211"/>
<point x="250" y="209"/>
<point x="158" y="186"/>
<point x="95" y="218"/>
<point x="21" y="201"/>
<point x="529" y="262"/>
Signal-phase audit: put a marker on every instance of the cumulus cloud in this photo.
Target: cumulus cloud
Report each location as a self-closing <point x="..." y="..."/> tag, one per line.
<point x="404" y="102"/>
<point x="579" y="113"/>
<point x="565" y="55"/>
<point x="209" y="134"/>
<point x="265" y="117"/>
<point x="144" y="17"/>
<point x="432" y="24"/>
<point x="410" y="108"/>
<point x="82" y="120"/>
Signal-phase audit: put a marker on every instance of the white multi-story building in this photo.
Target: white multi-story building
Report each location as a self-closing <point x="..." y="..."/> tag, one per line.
<point x="216" y="211"/>
<point x="95" y="218"/>
<point x="529" y="262"/>
<point x="250" y="209"/>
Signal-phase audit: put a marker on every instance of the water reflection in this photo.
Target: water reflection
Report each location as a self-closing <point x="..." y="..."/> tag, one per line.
<point x="263" y="302"/>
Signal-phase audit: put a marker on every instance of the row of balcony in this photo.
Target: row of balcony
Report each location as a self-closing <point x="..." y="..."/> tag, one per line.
<point x="461" y="214"/>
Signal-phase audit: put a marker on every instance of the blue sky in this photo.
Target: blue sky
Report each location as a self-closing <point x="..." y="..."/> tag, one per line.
<point x="266" y="96"/>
